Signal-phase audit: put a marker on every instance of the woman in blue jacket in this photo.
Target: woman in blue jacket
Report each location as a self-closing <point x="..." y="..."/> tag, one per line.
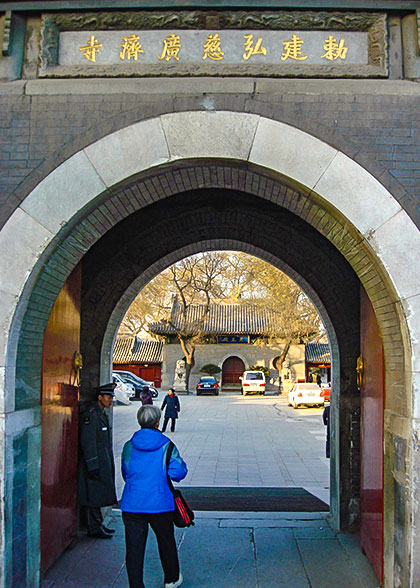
<point x="147" y="498"/>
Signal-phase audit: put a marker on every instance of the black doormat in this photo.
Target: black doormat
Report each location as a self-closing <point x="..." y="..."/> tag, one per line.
<point x="253" y="499"/>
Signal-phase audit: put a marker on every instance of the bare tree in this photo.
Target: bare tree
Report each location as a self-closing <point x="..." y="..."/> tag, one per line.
<point x="296" y="318"/>
<point x="180" y="297"/>
<point x="148" y="306"/>
<point x="197" y="282"/>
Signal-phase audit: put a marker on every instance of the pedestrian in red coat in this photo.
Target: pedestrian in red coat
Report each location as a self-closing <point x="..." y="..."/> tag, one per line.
<point x="171" y="402"/>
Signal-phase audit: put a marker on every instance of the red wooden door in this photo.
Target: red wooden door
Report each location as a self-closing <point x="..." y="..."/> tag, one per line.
<point x="232" y="369"/>
<point x="148" y="373"/>
<point x="152" y="373"/>
<point x="372" y="435"/>
<point x="59" y="420"/>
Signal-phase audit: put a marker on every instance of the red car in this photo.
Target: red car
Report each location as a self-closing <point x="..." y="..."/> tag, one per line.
<point x="326" y="392"/>
<point x="207" y="385"/>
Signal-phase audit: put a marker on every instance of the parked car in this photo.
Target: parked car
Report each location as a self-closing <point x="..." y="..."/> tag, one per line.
<point x="326" y="392"/>
<point x="126" y="386"/>
<point x="137" y="382"/>
<point x="252" y="382"/>
<point x="207" y="384"/>
<point x="308" y="394"/>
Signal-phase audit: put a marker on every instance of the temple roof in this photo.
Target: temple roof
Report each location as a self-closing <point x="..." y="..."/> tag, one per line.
<point x="130" y="349"/>
<point x="222" y="319"/>
<point x="317" y="353"/>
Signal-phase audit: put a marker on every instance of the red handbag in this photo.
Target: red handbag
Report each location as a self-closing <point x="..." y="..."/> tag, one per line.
<point x="183" y="514"/>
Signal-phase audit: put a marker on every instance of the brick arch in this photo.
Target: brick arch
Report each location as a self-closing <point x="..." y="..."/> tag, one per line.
<point x="258" y="141"/>
<point x="77" y="140"/>
<point x="238" y="355"/>
<point x="231" y="244"/>
<point x="69" y="210"/>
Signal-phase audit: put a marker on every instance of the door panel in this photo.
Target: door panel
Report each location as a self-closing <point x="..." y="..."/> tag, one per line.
<point x="233" y="368"/>
<point x="372" y="433"/>
<point x="148" y="373"/>
<point x="59" y="420"/>
<point x="152" y="373"/>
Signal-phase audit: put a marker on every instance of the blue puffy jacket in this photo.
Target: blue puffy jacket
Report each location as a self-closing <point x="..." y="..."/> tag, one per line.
<point x="143" y="466"/>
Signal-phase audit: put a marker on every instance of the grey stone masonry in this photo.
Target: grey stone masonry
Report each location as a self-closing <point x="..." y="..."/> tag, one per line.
<point x="43" y="122"/>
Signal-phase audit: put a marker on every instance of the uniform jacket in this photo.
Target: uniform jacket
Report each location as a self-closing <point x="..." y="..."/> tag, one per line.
<point x="143" y="466"/>
<point x="172" y="406"/>
<point x="95" y="453"/>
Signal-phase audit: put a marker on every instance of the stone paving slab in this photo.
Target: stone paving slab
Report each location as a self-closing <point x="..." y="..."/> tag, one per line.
<point x="324" y="560"/>
<point x="218" y="557"/>
<point x="254" y="516"/>
<point x="278" y="560"/>
<point x="274" y="524"/>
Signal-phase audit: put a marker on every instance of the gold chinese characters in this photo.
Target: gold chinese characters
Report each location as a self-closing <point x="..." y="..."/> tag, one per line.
<point x="131" y="47"/>
<point x="334" y="50"/>
<point x="91" y="49"/>
<point x="293" y="49"/>
<point x="212" y="48"/>
<point x="251" y="49"/>
<point x="171" y="47"/>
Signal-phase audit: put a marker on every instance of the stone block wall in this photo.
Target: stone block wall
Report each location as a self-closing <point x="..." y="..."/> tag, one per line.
<point x="42" y="122"/>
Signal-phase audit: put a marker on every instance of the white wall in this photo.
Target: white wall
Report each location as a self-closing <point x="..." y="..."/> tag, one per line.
<point x="250" y="355"/>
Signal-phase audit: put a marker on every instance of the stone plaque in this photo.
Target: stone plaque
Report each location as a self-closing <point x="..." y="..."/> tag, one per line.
<point x="278" y="44"/>
<point x="217" y="47"/>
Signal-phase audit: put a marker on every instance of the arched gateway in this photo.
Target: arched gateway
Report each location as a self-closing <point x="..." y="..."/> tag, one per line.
<point x="232" y="369"/>
<point x="191" y="181"/>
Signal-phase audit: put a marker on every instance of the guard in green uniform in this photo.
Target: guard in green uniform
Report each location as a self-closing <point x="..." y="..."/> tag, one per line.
<point x="96" y="462"/>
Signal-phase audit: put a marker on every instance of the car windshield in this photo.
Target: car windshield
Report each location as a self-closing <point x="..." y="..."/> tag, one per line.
<point x="308" y="386"/>
<point x="132" y="378"/>
<point x="254" y="376"/>
<point x="211" y="380"/>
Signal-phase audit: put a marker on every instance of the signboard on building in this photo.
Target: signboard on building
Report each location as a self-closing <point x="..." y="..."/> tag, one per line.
<point x="239" y="44"/>
<point x="233" y="339"/>
<point x="223" y="46"/>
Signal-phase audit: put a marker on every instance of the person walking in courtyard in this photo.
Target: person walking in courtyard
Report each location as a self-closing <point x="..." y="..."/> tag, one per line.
<point x="146" y="396"/>
<point x="96" y="482"/>
<point x="147" y="498"/>
<point x="173" y="407"/>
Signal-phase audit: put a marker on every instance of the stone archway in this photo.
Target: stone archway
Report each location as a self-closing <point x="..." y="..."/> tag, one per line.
<point x="60" y="220"/>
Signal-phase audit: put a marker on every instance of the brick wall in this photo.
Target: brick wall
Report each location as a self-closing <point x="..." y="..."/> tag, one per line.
<point x="374" y="122"/>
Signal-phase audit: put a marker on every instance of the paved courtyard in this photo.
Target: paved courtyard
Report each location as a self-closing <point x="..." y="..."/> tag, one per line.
<point x="232" y="440"/>
<point x="235" y="441"/>
<point x="228" y="550"/>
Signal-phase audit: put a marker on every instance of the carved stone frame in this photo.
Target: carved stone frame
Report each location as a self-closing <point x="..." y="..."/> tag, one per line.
<point x="374" y="24"/>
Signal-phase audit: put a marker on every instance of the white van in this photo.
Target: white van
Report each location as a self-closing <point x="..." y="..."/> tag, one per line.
<point x="252" y="383"/>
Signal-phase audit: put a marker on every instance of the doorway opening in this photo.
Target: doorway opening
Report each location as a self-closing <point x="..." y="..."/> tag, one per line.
<point x="232" y="369"/>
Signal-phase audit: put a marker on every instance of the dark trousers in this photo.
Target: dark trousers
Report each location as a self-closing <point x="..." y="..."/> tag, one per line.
<point x="327" y="444"/>
<point x="92" y="517"/>
<point x="165" y="424"/>
<point x="136" y="529"/>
